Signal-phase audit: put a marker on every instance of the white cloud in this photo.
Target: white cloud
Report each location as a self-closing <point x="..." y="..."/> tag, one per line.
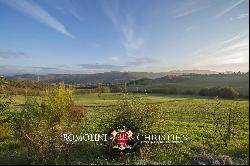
<point x="115" y="58"/>
<point x="68" y="7"/>
<point x="126" y="26"/>
<point x="143" y="61"/>
<point x="8" y="54"/>
<point x="189" y="7"/>
<point x="236" y="37"/>
<point x="241" y="16"/>
<point x="234" y="51"/>
<point x="101" y="66"/>
<point x="190" y="28"/>
<point x="38" y="13"/>
<point x="228" y="9"/>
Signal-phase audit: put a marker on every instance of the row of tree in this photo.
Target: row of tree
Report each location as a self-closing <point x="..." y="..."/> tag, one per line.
<point x="224" y="92"/>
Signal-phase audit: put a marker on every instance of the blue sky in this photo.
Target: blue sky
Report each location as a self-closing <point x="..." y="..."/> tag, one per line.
<point x="90" y="36"/>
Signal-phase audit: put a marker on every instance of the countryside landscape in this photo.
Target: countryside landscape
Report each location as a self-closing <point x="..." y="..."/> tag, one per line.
<point x="155" y="93"/>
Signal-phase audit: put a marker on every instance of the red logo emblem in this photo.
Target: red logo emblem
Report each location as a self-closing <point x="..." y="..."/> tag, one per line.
<point x="121" y="138"/>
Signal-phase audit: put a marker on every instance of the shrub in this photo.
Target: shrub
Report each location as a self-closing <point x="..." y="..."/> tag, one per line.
<point x="39" y="127"/>
<point x="5" y="102"/>
<point x="189" y="92"/>
<point x="210" y="159"/>
<point x="135" y="114"/>
<point x="228" y="92"/>
<point x="172" y="90"/>
<point x="204" y="92"/>
<point x="167" y="90"/>
<point x="214" y="91"/>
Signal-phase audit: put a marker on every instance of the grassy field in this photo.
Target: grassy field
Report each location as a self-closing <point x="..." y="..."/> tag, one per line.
<point x="187" y="115"/>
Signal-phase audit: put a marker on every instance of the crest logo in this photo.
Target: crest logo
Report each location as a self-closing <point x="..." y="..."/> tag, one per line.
<point x="121" y="138"/>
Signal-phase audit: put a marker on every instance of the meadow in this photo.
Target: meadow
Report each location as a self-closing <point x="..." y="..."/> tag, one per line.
<point x="217" y="131"/>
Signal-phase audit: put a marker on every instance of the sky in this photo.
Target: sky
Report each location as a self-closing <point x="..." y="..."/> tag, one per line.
<point x="93" y="36"/>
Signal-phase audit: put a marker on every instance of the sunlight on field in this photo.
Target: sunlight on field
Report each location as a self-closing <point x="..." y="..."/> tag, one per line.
<point x="186" y="115"/>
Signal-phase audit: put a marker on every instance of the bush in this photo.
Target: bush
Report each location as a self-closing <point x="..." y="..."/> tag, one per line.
<point x="83" y="91"/>
<point x="204" y="92"/>
<point x="102" y="89"/>
<point x="135" y="114"/>
<point x="189" y="92"/>
<point x="39" y="127"/>
<point x="226" y="92"/>
<point x="171" y="90"/>
<point x="6" y="102"/>
<point x="214" y="91"/>
<point x="209" y="159"/>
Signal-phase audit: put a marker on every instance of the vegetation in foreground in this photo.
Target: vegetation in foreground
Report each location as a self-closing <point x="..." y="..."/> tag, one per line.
<point x="217" y="130"/>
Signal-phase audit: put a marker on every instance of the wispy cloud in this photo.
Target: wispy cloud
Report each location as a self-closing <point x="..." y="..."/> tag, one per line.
<point x="188" y="7"/>
<point x="101" y="66"/>
<point x="17" y="70"/>
<point x="126" y="26"/>
<point x="114" y="58"/>
<point x="45" y="68"/>
<point x="234" y="38"/>
<point x="234" y="51"/>
<point x="134" y="62"/>
<point x="142" y="61"/>
<point x="11" y="54"/>
<point x="189" y="28"/>
<point x="241" y="16"/>
<point x="229" y="8"/>
<point x="68" y="7"/>
<point x="38" y="13"/>
<point x="76" y="15"/>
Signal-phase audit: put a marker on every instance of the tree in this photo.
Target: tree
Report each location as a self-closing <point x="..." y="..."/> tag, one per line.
<point x="228" y="92"/>
<point x="203" y="92"/>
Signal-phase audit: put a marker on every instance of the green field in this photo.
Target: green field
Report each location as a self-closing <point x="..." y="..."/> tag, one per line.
<point x="188" y="115"/>
<point x="192" y="83"/>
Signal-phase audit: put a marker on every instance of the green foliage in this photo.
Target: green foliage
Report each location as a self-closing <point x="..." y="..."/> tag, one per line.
<point x="227" y="92"/>
<point x="102" y="89"/>
<point x="99" y="89"/>
<point x="22" y="87"/>
<point x="224" y="121"/>
<point x="213" y="127"/>
<point x="39" y="127"/>
<point x="5" y="102"/>
<point x="166" y="90"/>
<point x="193" y="82"/>
<point x="204" y="92"/>
<point x="189" y="92"/>
<point x="136" y="114"/>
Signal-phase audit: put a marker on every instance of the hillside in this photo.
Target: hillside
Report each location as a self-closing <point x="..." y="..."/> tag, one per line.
<point x="106" y="77"/>
<point x="192" y="83"/>
<point x="17" y="87"/>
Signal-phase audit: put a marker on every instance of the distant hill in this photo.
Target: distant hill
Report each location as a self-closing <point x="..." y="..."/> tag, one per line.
<point x="187" y="83"/>
<point x="106" y="77"/>
<point x="181" y="72"/>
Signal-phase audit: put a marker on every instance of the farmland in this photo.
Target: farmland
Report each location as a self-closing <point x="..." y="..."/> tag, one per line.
<point x="179" y="114"/>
